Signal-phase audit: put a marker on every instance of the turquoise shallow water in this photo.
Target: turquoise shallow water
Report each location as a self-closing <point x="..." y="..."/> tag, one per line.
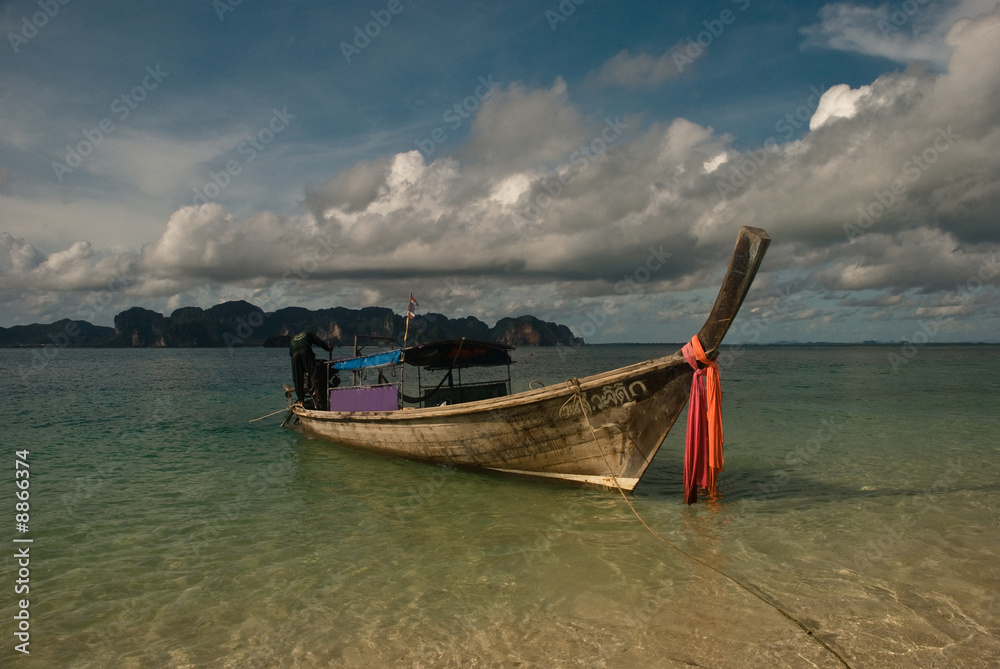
<point x="168" y="531"/>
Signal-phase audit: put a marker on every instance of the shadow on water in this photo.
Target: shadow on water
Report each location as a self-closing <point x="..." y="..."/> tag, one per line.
<point x="361" y="471"/>
<point x="762" y="485"/>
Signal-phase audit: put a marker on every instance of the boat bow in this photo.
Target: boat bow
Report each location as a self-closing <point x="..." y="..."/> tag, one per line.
<point x="751" y="245"/>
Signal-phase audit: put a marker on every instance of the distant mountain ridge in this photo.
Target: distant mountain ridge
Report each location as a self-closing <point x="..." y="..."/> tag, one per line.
<point x="241" y="324"/>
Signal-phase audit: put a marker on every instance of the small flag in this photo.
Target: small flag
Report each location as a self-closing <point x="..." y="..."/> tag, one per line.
<point x="413" y="305"/>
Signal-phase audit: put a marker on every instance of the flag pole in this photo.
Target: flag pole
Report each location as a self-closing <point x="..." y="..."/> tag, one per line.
<point x="406" y="331"/>
<point x="409" y="316"/>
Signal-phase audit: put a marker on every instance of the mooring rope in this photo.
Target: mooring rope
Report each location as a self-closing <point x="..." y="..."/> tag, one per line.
<point x="270" y="414"/>
<point x="574" y="385"/>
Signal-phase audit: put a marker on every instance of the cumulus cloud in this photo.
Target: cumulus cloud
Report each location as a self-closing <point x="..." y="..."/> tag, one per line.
<point x="17" y="256"/>
<point x="840" y="101"/>
<point x="882" y="261"/>
<point x="79" y="267"/>
<point x="905" y="32"/>
<point x="153" y="164"/>
<point x="521" y="128"/>
<point x="886" y="30"/>
<point x="642" y="70"/>
<point x="351" y="190"/>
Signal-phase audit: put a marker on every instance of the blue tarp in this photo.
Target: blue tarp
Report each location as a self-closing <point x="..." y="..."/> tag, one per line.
<point x="374" y="360"/>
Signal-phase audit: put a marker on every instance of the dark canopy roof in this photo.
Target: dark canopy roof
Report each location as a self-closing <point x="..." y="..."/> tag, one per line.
<point x="457" y="353"/>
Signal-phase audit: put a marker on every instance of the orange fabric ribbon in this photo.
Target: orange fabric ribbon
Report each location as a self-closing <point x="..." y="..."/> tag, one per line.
<point x="703" y="449"/>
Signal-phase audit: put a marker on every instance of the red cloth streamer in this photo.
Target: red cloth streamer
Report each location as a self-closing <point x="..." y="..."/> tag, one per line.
<point x="703" y="447"/>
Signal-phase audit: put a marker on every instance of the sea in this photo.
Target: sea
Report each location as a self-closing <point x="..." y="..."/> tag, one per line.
<point x="857" y="523"/>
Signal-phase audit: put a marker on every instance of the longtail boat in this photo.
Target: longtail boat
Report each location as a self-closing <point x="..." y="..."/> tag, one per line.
<point x="603" y="429"/>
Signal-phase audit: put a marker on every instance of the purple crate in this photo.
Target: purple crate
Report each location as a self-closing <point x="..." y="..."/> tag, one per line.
<point x="377" y="398"/>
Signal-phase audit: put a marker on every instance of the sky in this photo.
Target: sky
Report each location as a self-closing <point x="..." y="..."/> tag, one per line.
<point x="588" y="162"/>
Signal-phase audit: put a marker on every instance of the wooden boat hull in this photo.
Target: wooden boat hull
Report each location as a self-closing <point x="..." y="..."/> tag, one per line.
<point x="542" y="432"/>
<point x="604" y="429"/>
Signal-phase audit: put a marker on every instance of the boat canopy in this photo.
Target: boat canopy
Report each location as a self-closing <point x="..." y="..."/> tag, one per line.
<point x="365" y="361"/>
<point x="448" y="354"/>
<point x="458" y="354"/>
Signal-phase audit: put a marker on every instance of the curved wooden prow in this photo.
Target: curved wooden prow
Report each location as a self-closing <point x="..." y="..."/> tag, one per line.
<point x="747" y="256"/>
